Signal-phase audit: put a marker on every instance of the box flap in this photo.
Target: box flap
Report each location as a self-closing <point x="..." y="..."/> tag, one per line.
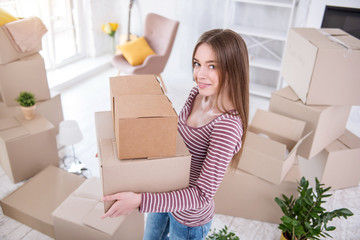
<point x="135" y="85"/>
<point x="299" y="142"/>
<point x="90" y="189"/>
<point x="341" y="37"/>
<point x="142" y="106"/>
<point x="267" y="146"/>
<point x="107" y="225"/>
<point x="278" y="127"/>
<point x="8" y="122"/>
<point x="345" y="142"/>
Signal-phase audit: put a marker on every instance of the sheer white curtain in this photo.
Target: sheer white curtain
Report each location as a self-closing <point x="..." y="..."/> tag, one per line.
<point x="62" y="44"/>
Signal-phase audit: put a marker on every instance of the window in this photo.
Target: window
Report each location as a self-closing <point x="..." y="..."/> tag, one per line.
<point x="62" y="44"/>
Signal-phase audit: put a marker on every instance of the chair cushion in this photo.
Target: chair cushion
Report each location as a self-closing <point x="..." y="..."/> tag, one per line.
<point x="135" y="52"/>
<point x="6" y="17"/>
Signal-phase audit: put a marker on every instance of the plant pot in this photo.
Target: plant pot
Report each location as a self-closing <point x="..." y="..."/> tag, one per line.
<point x="282" y="237"/>
<point x="29" y="112"/>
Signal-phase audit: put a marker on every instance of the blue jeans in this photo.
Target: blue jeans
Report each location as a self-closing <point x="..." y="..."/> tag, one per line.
<point x="163" y="226"/>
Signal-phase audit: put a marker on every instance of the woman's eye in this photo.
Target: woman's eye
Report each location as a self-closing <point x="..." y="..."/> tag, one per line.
<point x="212" y="66"/>
<point x="196" y="64"/>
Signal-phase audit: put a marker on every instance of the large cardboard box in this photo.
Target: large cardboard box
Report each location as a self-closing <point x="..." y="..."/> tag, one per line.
<point x="33" y="202"/>
<point x="271" y="157"/>
<point x="145" y="122"/>
<point x="26" y="146"/>
<point x="337" y="166"/>
<point x="244" y="195"/>
<point x="139" y="175"/>
<point x="79" y="217"/>
<point x="8" y="53"/>
<point x="322" y="66"/>
<point x="326" y="123"/>
<point x="26" y="74"/>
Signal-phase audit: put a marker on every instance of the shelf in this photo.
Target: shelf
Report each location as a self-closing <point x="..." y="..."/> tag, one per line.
<point x="275" y="3"/>
<point x="261" y="90"/>
<point x="265" y="63"/>
<point x="259" y="32"/>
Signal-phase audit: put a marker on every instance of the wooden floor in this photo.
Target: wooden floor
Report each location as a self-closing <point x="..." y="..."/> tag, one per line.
<point x="82" y="100"/>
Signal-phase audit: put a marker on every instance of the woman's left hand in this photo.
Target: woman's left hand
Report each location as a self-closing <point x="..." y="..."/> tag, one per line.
<point x="125" y="203"/>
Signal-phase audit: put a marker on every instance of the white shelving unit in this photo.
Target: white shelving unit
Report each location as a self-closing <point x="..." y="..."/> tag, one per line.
<point x="263" y="24"/>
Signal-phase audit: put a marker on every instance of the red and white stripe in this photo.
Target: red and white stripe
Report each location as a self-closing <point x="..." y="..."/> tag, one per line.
<point x="212" y="147"/>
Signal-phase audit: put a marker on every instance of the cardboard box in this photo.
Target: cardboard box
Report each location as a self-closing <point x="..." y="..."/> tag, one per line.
<point x="337" y="166"/>
<point x="244" y="195"/>
<point x="8" y="53"/>
<point x="144" y="120"/>
<point x="52" y="110"/>
<point x="132" y="85"/>
<point x="26" y="74"/>
<point x="271" y="157"/>
<point x="145" y="126"/>
<point x="139" y="175"/>
<point x="33" y="202"/>
<point x="79" y="217"/>
<point x="326" y="123"/>
<point x="322" y="66"/>
<point x="27" y="146"/>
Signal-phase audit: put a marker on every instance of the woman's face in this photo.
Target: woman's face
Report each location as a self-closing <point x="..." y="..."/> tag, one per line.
<point x="206" y="70"/>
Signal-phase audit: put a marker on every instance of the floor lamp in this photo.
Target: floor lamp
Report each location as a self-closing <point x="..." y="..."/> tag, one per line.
<point x="70" y="134"/>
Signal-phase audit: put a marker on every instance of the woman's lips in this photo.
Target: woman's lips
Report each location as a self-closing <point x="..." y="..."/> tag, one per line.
<point x="203" y="85"/>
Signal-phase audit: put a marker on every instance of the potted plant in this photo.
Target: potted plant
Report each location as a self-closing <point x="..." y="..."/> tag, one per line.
<point x="305" y="217"/>
<point x="27" y="104"/>
<point x="223" y="234"/>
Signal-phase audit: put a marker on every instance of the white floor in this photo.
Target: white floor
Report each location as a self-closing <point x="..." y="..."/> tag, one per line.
<point x="83" y="99"/>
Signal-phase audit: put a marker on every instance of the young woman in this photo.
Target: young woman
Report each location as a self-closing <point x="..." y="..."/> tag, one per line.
<point x="213" y="124"/>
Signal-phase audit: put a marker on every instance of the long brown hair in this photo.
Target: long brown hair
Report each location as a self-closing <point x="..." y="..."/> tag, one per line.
<point x="233" y="69"/>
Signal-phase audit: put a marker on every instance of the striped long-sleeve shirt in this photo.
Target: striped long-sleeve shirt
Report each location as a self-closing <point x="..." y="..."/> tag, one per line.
<point x="212" y="147"/>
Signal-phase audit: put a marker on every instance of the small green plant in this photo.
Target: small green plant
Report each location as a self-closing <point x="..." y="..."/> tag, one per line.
<point x="223" y="234"/>
<point x="26" y="99"/>
<point x="304" y="217"/>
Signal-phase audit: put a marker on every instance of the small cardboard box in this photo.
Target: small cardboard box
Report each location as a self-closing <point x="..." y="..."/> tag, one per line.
<point x="244" y="195"/>
<point x="33" y="202"/>
<point x="326" y="123"/>
<point x="8" y="53"/>
<point x="145" y="126"/>
<point x="322" y="66"/>
<point x="27" y="146"/>
<point x="266" y="156"/>
<point x="337" y="166"/>
<point x="144" y="120"/>
<point x="79" y="217"/>
<point x="132" y="85"/>
<point x="138" y="175"/>
<point x="27" y="74"/>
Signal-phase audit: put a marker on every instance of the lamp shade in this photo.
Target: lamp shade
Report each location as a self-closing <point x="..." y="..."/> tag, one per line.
<point x="69" y="132"/>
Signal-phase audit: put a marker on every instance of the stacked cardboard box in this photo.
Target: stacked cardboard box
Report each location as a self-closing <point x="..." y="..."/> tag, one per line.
<point x="25" y="71"/>
<point x="139" y="147"/>
<point x="321" y="68"/>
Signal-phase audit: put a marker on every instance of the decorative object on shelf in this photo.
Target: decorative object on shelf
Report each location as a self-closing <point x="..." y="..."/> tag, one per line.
<point x="305" y="217"/>
<point x="27" y="103"/>
<point x="70" y="134"/>
<point x="222" y="234"/>
<point x="110" y="29"/>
